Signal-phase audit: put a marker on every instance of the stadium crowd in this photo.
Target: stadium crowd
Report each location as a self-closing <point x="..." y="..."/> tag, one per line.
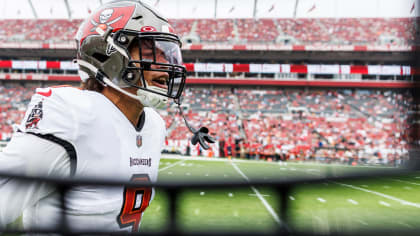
<point x="342" y="31"/>
<point x="13" y="101"/>
<point x="343" y="126"/>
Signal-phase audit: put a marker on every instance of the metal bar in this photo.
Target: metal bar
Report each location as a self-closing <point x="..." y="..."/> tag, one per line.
<point x="63" y="226"/>
<point x="66" y="2"/>
<point x="215" y="9"/>
<point x="33" y="9"/>
<point x="283" y="188"/>
<point x="254" y="13"/>
<point x="217" y="184"/>
<point x="202" y="233"/>
<point x="284" y="206"/>
<point x="295" y="8"/>
<point x="173" y="226"/>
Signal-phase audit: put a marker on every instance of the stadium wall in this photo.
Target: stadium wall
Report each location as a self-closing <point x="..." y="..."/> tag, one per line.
<point x="235" y="82"/>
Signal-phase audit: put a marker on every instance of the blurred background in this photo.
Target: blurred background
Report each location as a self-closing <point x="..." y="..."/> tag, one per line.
<point x="290" y="89"/>
<point x="324" y="80"/>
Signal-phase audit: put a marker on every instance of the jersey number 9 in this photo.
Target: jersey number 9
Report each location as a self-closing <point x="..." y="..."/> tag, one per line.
<point x="136" y="200"/>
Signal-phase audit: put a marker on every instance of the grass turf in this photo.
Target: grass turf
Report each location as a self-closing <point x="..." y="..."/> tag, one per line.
<point x="319" y="208"/>
<point x="387" y="203"/>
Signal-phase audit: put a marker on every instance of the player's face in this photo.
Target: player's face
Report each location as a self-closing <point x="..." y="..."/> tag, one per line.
<point x="153" y="78"/>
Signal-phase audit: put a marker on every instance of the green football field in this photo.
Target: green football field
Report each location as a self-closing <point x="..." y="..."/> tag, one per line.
<point x="391" y="203"/>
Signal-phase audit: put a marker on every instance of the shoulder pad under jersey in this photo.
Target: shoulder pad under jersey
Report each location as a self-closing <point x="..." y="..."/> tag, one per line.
<point x="56" y="111"/>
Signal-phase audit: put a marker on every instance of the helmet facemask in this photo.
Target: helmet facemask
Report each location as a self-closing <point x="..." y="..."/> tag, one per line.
<point x="158" y="53"/>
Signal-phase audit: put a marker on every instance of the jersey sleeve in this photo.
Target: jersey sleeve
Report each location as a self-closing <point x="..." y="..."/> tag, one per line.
<point x="51" y="112"/>
<point x="26" y="154"/>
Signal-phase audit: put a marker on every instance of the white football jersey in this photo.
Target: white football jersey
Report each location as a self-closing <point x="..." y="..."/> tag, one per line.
<point x="102" y="144"/>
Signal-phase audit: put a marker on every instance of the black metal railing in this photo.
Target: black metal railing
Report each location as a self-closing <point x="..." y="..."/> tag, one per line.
<point x="283" y="188"/>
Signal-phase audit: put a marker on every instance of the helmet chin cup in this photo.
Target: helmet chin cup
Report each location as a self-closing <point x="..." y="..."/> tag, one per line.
<point x="150" y="99"/>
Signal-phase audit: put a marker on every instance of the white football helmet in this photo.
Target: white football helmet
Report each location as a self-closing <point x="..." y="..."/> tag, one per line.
<point x="104" y="41"/>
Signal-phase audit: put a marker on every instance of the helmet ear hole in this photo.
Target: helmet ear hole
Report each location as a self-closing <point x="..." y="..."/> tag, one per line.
<point x="131" y="77"/>
<point x="122" y="39"/>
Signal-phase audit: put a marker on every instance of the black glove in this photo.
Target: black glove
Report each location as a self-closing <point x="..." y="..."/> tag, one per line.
<point x="201" y="136"/>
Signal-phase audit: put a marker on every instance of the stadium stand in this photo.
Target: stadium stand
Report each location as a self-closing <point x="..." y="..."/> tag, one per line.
<point x="253" y="121"/>
<point x="289" y="124"/>
<point x="212" y="30"/>
<point x="329" y="109"/>
<point x="38" y="30"/>
<point x="343" y="31"/>
<point x="261" y="30"/>
<point x="322" y="125"/>
<point x="183" y="27"/>
<point x="13" y="101"/>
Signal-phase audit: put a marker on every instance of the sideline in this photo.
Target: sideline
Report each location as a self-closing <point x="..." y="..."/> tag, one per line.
<point x="265" y="203"/>
<point x="199" y="158"/>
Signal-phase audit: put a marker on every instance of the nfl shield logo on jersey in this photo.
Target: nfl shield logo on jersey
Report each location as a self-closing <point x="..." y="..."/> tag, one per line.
<point x="139" y="140"/>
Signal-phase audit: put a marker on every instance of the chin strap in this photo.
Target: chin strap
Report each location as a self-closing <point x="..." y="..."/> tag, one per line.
<point x="201" y="135"/>
<point x="149" y="99"/>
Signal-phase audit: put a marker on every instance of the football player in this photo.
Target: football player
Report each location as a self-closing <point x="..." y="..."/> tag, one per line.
<point x="130" y="63"/>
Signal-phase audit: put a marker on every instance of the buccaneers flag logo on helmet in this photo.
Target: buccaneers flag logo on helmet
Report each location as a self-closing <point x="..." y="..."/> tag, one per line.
<point x="115" y="18"/>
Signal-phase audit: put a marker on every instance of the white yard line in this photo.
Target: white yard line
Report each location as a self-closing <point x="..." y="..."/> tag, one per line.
<point x="362" y="222"/>
<point x="417" y="205"/>
<point x="321" y="200"/>
<point x="255" y="195"/>
<point x="353" y="201"/>
<point x="405" y="224"/>
<point x="167" y="167"/>
<point x="384" y="203"/>
<point x="265" y="203"/>
<point x="407" y="182"/>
